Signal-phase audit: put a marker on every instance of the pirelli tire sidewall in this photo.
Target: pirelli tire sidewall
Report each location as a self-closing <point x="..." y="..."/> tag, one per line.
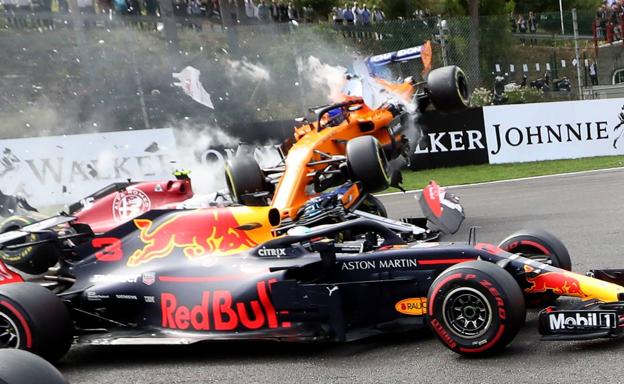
<point x="493" y="289"/>
<point x="42" y="320"/>
<point x="34" y="259"/>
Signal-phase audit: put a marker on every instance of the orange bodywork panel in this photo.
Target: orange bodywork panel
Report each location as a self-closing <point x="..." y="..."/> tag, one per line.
<point x="295" y="186"/>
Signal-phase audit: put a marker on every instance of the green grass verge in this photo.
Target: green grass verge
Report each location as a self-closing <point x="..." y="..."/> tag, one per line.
<point x="481" y="173"/>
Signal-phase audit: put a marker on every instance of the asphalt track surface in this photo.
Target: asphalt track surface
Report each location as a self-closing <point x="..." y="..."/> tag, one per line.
<point x="584" y="210"/>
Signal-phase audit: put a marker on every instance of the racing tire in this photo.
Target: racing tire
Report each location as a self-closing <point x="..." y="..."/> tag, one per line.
<point x="448" y="88"/>
<point x="373" y="205"/>
<point x="244" y="176"/>
<point x="34" y="319"/>
<point x="475" y="308"/>
<point x="540" y="245"/>
<point x="17" y="367"/>
<point x="35" y="259"/>
<point x="367" y="163"/>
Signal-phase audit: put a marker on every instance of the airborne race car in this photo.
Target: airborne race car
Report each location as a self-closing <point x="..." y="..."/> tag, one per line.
<point x="161" y="279"/>
<point x="364" y="138"/>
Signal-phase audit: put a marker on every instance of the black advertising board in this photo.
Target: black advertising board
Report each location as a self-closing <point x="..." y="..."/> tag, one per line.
<point x="451" y="139"/>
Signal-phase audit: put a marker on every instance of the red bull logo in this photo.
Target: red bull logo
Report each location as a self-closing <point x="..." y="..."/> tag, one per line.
<point x="197" y="233"/>
<point x="560" y="283"/>
<point x="218" y="311"/>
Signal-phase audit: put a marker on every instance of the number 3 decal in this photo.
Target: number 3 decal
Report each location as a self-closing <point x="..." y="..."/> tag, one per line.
<point x="112" y="248"/>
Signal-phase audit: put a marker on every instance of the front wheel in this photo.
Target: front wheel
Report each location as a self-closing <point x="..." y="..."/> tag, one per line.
<point x="34" y="259"/>
<point x="367" y="163"/>
<point x="476" y="308"/>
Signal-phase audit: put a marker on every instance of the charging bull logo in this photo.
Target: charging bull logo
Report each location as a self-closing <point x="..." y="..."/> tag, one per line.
<point x="197" y="233"/>
<point x="559" y="283"/>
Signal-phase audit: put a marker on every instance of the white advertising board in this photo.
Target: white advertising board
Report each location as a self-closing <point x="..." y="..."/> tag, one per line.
<point x="63" y="169"/>
<point x="548" y="131"/>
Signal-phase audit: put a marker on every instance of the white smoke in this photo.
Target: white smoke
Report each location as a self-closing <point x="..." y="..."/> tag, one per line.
<point x="244" y="70"/>
<point x="193" y="142"/>
<point x="325" y="78"/>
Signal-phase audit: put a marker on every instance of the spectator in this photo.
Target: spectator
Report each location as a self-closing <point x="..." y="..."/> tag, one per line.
<point x="104" y="6"/>
<point x="378" y="15"/>
<point x="348" y="15"/>
<point x="274" y="11"/>
<point x="366" y="16"/>
<point x="251" y="11"/>
<point x="134" y="8"/>
<point x="532" y="21"/>
<point x="264" y="12"/>
<point x="193" y="10"/>
<point x="22" y="9"/>
<point x="292" y="12"/>
<point x="121" y="7"/>
<point x="308" y="13"/>
<point x="9" y="8"/>
<point x="337" y="15"/>
<point x="151" y="7"/>
<point x="357" y="13"/>
<point x="593" y="72"/>
<point x="283" y="12"/>
<point x="63" y="6"/>
<point x="512" y="21"/>
<point x="522" y="28"/>
<point x="87" y="10"/>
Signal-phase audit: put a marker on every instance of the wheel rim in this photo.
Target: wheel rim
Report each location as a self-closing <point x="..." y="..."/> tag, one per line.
<point x="467" y="312"/>
<point x="9" y="334"/>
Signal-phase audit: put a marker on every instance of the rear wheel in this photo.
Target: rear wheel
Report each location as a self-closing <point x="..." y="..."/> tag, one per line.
<point x="448" y="88"/>
<point x="18" y="367"/>
<point x="35" y="259"/>
<point x="34" y="319"/>
<point x="475" y="308"/>
<point x="542" y="246"/>
<point x="367" y="163"/>
<point x="244" y="176"/>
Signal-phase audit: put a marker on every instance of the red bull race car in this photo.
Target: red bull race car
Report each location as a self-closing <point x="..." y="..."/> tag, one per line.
<point x="187" y="276"/>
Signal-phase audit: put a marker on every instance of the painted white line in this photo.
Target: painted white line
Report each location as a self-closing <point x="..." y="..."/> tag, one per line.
<point x="509" y="180"/>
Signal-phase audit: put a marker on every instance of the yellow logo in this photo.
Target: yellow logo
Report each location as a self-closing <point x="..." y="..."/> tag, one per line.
<point x="415" y="306"/>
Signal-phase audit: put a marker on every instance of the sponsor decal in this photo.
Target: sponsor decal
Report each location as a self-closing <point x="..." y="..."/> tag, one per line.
<point x="570" y="320"/>
<point x="109" y="249"/>
<point x="216" y="310"/>
<point x="123" y="278"/>
<point x="560" y="283"/>
<point x="126" y="297"/>
<point x="415" y="306"/>
<point x="130" y="203"/>
<point x="149" y="299"/>
<point x="439" y="329"/>
<point x="453" y="141"/>
<point x="274" y="252"/>
<point x="562" y="130"/>
<point x="149" y="278"/>
<point x="94" y="296"/>
<point x="352" y="265"/>
<point x="198" y="233"/>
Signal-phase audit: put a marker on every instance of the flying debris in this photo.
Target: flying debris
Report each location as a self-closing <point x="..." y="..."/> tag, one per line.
<point x="189" y="82"/>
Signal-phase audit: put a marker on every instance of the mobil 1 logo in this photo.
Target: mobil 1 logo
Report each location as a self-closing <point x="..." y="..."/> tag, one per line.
<point x="578" y="321"/>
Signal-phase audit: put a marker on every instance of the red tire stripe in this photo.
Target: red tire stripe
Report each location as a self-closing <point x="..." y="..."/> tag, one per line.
<point x="21" y="319"/>
<point x="437" y="287"/>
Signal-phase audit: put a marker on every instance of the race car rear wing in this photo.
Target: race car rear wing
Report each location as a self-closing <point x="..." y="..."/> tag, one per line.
<point x="422" y="52"/>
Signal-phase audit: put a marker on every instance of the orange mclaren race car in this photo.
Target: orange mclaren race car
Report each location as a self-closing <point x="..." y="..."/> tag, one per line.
<point x="365" y="138"/>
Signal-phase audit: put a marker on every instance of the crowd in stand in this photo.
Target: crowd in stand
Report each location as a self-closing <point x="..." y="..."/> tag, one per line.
<point x="609" y="20"/>
<point x="278" y="12"/>
<point x="357" y="15"/>
<point x="522" y="25"/>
